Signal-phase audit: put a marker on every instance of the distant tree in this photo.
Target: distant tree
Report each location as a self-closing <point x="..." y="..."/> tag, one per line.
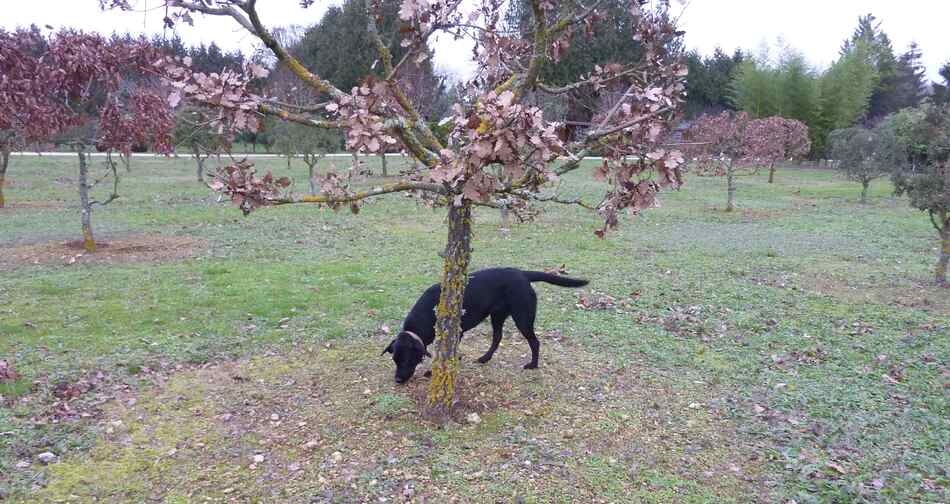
<point x="798" y="82"/>
<point x="878" y="52"/>
<point x="774" y="139"/>
<point x="709" y="80"/>
<point x="195" y="131"/>
<point x="310" y="144"/>
<point x="756" y="88"/>
<point x="25" y="115"/>
<point x="721" y="149"/>
<point x="863" y="154"/>
<point x="910" y="83"/>
<point x="96" y="93"/>
<point x="941" y="91"/>
<point x="846" y="88"/>
<point x="923" y="173"/>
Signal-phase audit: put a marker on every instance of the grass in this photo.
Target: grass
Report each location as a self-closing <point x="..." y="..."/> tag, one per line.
<point x="792" y="350"/>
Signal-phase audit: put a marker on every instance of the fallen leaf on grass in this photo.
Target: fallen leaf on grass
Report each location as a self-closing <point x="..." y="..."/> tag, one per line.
<point x="7" y="372"/>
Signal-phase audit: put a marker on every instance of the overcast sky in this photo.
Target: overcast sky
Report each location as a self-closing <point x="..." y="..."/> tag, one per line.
<point x="815" y="27"/>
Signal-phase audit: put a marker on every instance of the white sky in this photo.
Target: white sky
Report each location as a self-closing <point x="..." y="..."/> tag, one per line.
<point x="815" y="27"/>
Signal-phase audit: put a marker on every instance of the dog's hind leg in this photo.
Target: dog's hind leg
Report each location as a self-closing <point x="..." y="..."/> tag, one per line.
<point x="497" y="325"/>
<point x="524" y="319"/>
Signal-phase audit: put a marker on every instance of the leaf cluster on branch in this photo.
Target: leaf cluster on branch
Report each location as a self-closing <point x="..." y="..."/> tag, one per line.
<point x="495" y="127"/>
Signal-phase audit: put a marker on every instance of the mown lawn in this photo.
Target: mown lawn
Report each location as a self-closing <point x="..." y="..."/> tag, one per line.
<point x="792" y="350"/>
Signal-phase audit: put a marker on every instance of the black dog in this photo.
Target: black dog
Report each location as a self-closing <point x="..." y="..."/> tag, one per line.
<point x="498" y="292"/>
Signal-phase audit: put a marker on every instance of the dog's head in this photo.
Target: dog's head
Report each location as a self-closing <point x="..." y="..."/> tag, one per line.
<point x="407" y="352"/>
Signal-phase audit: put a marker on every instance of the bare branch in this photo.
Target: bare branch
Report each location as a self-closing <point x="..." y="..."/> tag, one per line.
<point x="358" y="196"/>
<point x="596" y="135"/>
<point x="298" y="118"/>
<point x="224" y="10"/>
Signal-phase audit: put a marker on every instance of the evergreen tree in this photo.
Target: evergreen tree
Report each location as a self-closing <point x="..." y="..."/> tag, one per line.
<point x="941" y="92"/>
<point x="910" y="83"/>
<point x="880" y="54"/>
<point x="708" y="81"/>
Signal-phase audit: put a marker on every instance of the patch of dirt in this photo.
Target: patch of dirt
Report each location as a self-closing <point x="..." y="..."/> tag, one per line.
<point x="135" y="249"/>
<point x="906" y="293"/>
<point x="758" y="214"/>
<point x="327" y="424"/>
<point x="13" y="204"/>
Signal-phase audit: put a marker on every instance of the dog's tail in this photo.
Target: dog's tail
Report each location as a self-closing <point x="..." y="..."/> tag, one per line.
<point x="540" y="276"/>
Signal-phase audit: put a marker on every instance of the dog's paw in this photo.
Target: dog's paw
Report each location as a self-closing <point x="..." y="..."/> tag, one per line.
<point x="530" y="366"/>
<point x="427" y="374"/>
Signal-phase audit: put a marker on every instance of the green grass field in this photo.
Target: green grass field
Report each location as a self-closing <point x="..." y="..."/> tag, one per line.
<point x="794" y="350"/>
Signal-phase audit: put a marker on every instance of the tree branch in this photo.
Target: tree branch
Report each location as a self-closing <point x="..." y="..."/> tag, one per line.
<point x="298" y="118"/>
<point x="416" y="121"/>
<point x="595" y="135"/>
<point x="350" y="198"/>
<point x="538" y="51"/>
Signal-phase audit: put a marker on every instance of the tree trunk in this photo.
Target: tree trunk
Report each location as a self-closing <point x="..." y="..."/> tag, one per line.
<point x="730" y="188"/>
<point x="864" y="190"/>
<point x="944" y="260"/>
<point x="356" y="160"/>
<point x="313" y="183"/>
<point x="88" y="242"/>
<point x="505" y="217"/>
<point x="382" y="160"/>
<point x="4" y="162"/>
<point x="772" y="173"/>
<point x="196" y="151"/>
<point x="448" y="325"/>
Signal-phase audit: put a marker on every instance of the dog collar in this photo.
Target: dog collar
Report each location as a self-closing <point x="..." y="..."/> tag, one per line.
<point x="415" y="337"/>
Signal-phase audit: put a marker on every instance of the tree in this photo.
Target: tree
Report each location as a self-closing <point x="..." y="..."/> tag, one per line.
<point x="708" y="82"/>
<point x="195" y="131"/>
<point x="775" y="139"/>
<point x="95" y="93"/>
<point x="941" y="92"/>
<point x="878" y="52"/>
<point x="311" y="145"/>
<point x="497" y="129"/>
<point x="863" y="154"/>
<point x="846" y="88"/>
<point x="755" y="88"/>
<point x="25" y="115"/>
<point x="720" y="148"/>
<point x="923" y="171"/>
<point x="910" y="82"/>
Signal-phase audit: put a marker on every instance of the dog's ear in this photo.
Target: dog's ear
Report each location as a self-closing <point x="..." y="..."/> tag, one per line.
<point x="389" y="349"/>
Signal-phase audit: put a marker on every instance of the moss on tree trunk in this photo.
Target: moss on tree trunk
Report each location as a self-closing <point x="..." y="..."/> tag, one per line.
<point x="448" y="326"/>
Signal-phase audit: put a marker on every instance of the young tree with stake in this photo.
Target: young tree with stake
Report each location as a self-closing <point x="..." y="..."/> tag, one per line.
<point x="496" y="129"/>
